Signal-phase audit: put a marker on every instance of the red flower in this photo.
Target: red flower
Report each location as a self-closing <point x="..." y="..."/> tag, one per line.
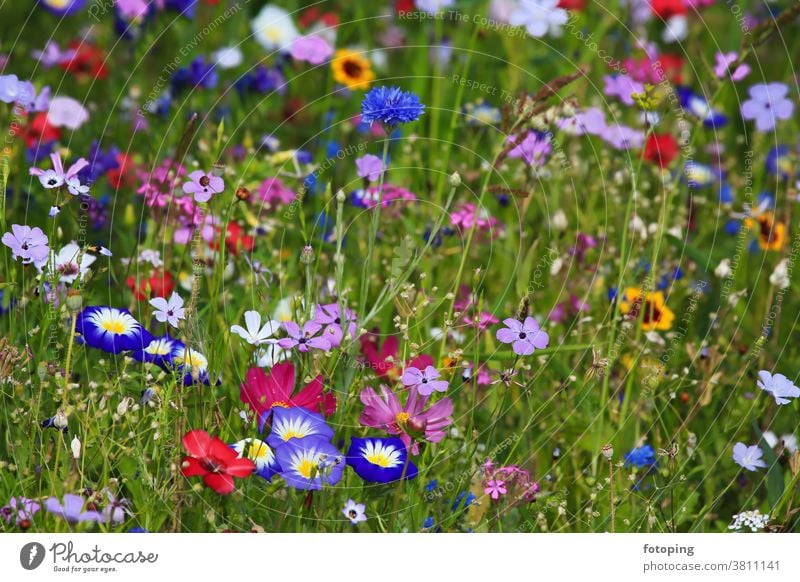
<point x="235" y="240"/>
<point x="378" y="357"/>
<point x="404" y="6"/>
<point x="262" y="393"/>
<point x="666" y="9"/>
<point x="314" y="15"/>
<point x="215" y="461"/>
<point x="88" y="60"/>
<point x="661" y="149"/>
<point x="39" y="131"/>
<point x="572" y="4"/>
<point x="159" y="284"/>
<point x="122" y="175"/>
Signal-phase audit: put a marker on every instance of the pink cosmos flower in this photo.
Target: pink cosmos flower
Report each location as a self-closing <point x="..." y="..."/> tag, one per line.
<point x="311" y="49"/>
<point x="203" y="186"/>
<point x="410" y="421"/>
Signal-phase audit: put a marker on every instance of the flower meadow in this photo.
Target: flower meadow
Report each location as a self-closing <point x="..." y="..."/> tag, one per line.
<point x="399" y="266"/>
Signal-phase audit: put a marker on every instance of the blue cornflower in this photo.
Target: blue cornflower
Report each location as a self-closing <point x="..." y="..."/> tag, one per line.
<point x="643" y="456"/>
<point x="391" y="106"/>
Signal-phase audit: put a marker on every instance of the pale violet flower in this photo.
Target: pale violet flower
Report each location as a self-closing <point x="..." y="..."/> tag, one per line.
<point x="425" y="381"/>
<point x="355" y="512"/>
<point x="256" y="334"/>
<point x="778" y="386"/>
<point x="748" y="457"/>
<point x="168" y="311"/>
<point x="228" y="57"/>
<point x="539" y="17"/>
<point x="69" y="263"/>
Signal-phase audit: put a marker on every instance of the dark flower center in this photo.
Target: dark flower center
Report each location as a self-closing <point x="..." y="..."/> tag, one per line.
<point x="352" y="513"/>
<point x="352" y="68"/>
<point x="211" y="465"/>
<point x="205" y="181"/>
<point x="523" y="335"/>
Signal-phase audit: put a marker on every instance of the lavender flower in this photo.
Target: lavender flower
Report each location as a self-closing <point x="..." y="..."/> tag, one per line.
<point x="72" y="509"/>
<point x="304" y="338"/>
<point x="724" y="62"/>
<point x="767" y="104"/>
<point x="26" y="243"/>
<point x="425" y="381"/>
<point x="21" y="510"/>
<point x="203" y="185"/>
<point x="369" y="167"/>
<point x="524" y="337"/>
<point x="748" y="457"/>
<point x="778" y="386"/>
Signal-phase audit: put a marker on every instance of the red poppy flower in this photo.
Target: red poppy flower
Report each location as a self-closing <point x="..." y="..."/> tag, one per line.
<point x="159" y="284"/>
<point x="215" y="461"/>
<point x="235" y="241"/>
<point x="88" y="60"/>
<point x="661" y="149"/>
<point x="39" y="131"/>
<point x="378" y="357"/>
<point x="572" y="4"/>
<point x="404" y="6"/>
<point x="122" y="175"/>
<point x="262" y="393"/>
<point x="314" y="15"/>
<point x="672" y="67"/>
<point x="666" y="9"/>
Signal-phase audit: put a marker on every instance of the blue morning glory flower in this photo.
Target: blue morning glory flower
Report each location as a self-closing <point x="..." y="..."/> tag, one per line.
<point x="63" y="7"/>
<point x="261" y="454"/>
<point x="296" y="423"/>
<point x="380" y="460"/>
<point x="159" y="351"/>
<point x="643" y="456"/>
<point x="391" y="106"/>
<point x="111" y="330"/>
<point x="309" y="463"/>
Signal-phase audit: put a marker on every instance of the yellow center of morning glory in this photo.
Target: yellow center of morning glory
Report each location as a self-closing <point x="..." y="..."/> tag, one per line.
<point x="379" y="459"/>
<point x="307" y="468"/>
<point x="113" y="326"/>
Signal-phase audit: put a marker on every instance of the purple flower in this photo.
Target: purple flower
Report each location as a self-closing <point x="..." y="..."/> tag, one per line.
<point x="311" y="49"/>
<point x="748" y="457"/>
<point x="722" y="68"/>
<point x="591" y="120"/>
<point x="328" y="316"/>
<point x="117" y="509"/>
<point x="369" y="167"/>
<point x="622" y="87"/>
<point x="533" y="149"/>
<point x="203" y="185"/>
<point x="767" y="104"/>
<point x="524" y="337"/>
<point x="425" y="381"/>
<point x="20" y="509"/>
<point x="304" y="338"/>
<point x="623" y="137"/>
<point x="72" y="509"/>
<point x="26" y="243"/>
<point x="58" y="177"/>
<point x="778" y="386"/>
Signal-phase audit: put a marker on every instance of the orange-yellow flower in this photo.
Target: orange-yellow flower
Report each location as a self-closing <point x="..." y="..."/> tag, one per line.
<point x="352" y="69"/>
<point x="649" y="307"/>
<point x="771" y="232"/>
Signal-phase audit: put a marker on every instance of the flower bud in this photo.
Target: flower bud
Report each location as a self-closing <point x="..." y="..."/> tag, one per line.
<point x="243" y="194"/>
<point x="340" y="197"/>
<point x="455" y="179"/>
<point x="43" y="371"/>
<point x="74" y="300"/>
<point x="607" y="452"/>
<point x="60" y="420"/>
<point x="307" y="255"/>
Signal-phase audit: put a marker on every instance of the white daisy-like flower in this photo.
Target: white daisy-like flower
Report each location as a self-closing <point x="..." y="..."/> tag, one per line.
<point x="256" y="334"/>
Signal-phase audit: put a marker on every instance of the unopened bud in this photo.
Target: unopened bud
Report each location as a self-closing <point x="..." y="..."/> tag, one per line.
<point x="307" y="255"/>
<point x="607" y="452"/>
<point x="243" y="194"/>
<point x="455" y="179"/>
<point x="340" y="197"/>
<point x="43" y="371"/>
<point x="60" y="420"/>
<point x="74" y="300"/>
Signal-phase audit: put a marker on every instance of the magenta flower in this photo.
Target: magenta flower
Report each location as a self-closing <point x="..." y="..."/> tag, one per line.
<point x="328" y="316"/>
<point x="767" y="104"/>
<point x="724" y="62"/>
<point x="203" y="186"/>
<point x="305" y="338"/>
<point x="524" y="337"/>
<point x="495" y="489"/>
<point x="58" y="177"/>
<point x="410" y="421"/>
<point x="369" y="167"/>
<point x="274" y="191"/>
<point x="28" y="244"/>
<point x="311" y="49"/>
<point x="425" y="381"/>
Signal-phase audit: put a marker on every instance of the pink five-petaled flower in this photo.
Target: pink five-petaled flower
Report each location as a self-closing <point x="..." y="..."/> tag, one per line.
<point x="425" y="381"/>
<point x="262" y="393"/>
<point x="215" y="461"/>
<point x="495" y="489"/>
<point x="203" y="185"/>
<point x="58" y="177"/>
<point x="722" y="68"/>
<point x="410" y="421"/>
<point x="369" y="167"/>
<point x="26" y="243"/>
<point x="524" y="337"/>
<point x="304" y="338"/>
<point x="748" y="457"/>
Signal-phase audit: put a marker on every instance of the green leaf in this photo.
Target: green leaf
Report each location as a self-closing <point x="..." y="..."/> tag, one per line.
<point x="774" y="471"/>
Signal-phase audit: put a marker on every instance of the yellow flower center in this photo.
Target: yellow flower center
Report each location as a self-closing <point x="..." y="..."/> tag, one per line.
<point x="113" y="326"/>
<point x="280" y="404"/>
<point x="379" y="459"/>
<point x="307" y="468"/>
<point x="402" y="417"/>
